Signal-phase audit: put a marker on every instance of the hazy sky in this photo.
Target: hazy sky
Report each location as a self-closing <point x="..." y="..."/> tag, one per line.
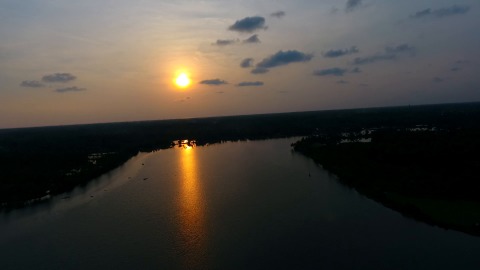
<point x="71" y="62"/>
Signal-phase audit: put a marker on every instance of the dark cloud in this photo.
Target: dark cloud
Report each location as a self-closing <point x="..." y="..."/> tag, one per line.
<point x="356" y="70"/>
<point x="441" y="12"/>
<point x="330" y="72"/>
<point x="390" y="53"/>
<point x="32" y="84"/>
<point x="340" y="52"/>
<point x="352" y="4"/>
<point x="58" y="78"/>
<point x="259" y="70"/>
<point x="284" y="58"/>
<point x="182" y="99"/>
<point x="69" y="89"/>
<point x="437" y="80"/>
<point x="225" y="42"/>
<point x="342" y="82"/>
<point x="454" y="69"/>
<point x="257" y="83"/>
<point x="422" y="13"/>
<point x="372" y="59"/>
<point x="248" y="24"/>
<point x="213" y="82"/>
<point x="403" y="48"/>
<point x="252" y="39"/>
<point x="278" y="14"/>
<point x="246" y="63"/>
<point x="334" y="10"/>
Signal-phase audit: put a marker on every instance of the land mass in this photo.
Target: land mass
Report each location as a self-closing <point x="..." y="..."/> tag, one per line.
<point x="428" y="173"/>
<point x="45" y="161"/>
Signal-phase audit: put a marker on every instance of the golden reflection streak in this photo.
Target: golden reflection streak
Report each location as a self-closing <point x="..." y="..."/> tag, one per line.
<point x="192" y="223"/>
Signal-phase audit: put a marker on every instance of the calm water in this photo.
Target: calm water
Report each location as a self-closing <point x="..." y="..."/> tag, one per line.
<point x="248" y="205"/>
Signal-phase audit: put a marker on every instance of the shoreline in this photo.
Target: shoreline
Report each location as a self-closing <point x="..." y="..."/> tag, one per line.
<point x="36" y="162"/>
<point x="439" y="190"/>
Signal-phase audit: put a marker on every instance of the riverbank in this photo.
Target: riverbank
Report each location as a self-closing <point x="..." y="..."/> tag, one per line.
<point x="427" y="174"/>
<point x="45" y="161"/>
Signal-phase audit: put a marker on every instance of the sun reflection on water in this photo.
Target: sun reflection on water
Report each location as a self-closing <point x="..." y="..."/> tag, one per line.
<point x="191" y="211"/>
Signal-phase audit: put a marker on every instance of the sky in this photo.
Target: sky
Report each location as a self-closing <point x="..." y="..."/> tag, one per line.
<point x="74" y="62"/>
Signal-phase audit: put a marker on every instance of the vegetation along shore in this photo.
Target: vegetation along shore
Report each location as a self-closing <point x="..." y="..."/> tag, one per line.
<point x="420" y="160"/>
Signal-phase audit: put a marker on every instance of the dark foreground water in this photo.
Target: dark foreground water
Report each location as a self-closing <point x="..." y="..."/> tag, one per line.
<point x="248" y="205"/>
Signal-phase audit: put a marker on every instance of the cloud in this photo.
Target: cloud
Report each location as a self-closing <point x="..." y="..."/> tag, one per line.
<point x="437" y="80"/>
<point x="182" y="99"/>
<point x="248" y="24"/>
<point x="372" y="59"/>
<point x="342" y="82"/>
<point x="32" y="84"/>
<point x="259" y="70"/>
<point x="58" y="78"/>
<point x="252" y="39"/>
<point x="257" y="83"/>
<point x="246" y="63"/>
<point x="422" y="13"/>
<point x="441" y="12"/>
<point x="330" y="72"/>
<point x="390" y="53"/>
<point x="224" y="42"/>
<point x="213" y="82"/>
<point x="356" y="70"/>
<point x="334" y="10"/>
<point x="403" y="48"/>
<point x="278" y="14"/>
<point x="69" y="89"/>
<point x="340" y="52"/>
<point x="284" y="58"/>
<point x="352" y="5"/>
<point x="454" y="69"/>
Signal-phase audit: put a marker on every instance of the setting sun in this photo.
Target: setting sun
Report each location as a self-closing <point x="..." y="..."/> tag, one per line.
<point x="182" y="80"/>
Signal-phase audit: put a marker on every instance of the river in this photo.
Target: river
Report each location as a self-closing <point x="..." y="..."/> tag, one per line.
<point x="236" y="205"/>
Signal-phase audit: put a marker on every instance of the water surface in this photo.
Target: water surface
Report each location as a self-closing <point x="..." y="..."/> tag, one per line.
<point x="244" y="205"/>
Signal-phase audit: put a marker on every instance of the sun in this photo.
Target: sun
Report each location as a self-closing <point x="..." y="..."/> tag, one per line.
<point x="182" y="80"/>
